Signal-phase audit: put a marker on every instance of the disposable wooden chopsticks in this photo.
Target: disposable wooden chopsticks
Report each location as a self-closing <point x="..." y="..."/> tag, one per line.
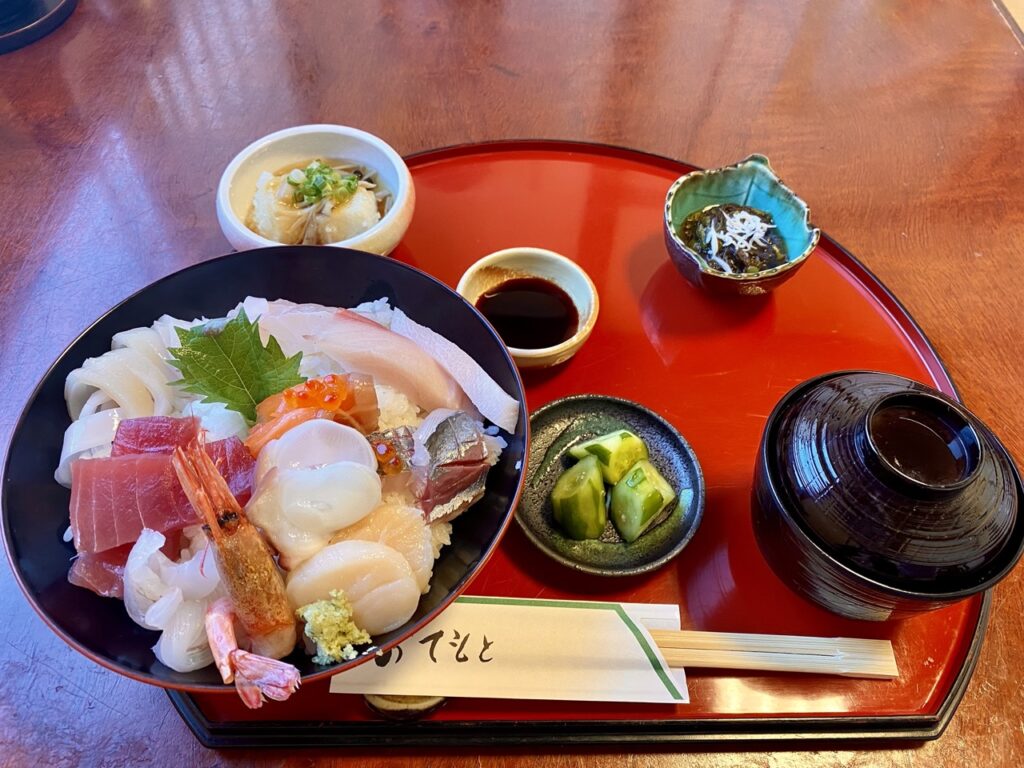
<point x="778" y="653"/>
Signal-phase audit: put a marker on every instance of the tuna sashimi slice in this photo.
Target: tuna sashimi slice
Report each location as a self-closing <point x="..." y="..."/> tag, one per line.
<point x="235" y="464"/>
<point x="489" y="398"/>
<point x="103" y="572"/>
<point x="114" y="498"/>
<point x="153" y="434"/>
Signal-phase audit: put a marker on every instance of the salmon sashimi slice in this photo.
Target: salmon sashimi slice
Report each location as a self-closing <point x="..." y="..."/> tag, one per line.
<point x="350" y="397"/>
<point x="114" y="498"/>
<point x="153" y="434"/>
<point x="261" y="434"/>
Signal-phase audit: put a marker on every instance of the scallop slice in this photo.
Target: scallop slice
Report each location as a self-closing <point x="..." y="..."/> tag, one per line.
<point x="300" y="509"/>
<point x="313" y="444"/>
<point x="403" y="529"/>
<point x="375" y="578"/>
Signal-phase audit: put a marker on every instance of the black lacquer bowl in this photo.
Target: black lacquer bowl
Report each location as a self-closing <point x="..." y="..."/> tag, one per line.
<point x="878" y="497"/>
<point x="35" y="507"/>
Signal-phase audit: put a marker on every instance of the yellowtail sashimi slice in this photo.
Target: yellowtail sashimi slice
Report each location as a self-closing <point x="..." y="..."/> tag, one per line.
<point x="489" y="398"/>
<point x="361" y="345"/>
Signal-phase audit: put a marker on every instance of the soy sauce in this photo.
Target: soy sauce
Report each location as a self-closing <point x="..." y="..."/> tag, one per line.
<point x="530" y="312"/>
<point x="919" y="444"/>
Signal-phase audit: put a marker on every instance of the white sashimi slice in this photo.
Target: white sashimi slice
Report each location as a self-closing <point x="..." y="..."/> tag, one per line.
<point x="148" y="342"/>
<point x="92" y="435"/>
<point x="183" y="645"/>
<point x="489" y="398"/>
<point x="142" y="584"/>
<point x="166" y="328"/>
<point x="375" y="578"/>
<point x="105" y="374"/>
<point x="129" y="379"/>
<point x="364" y="346"/>
<point x="313" y="444"/>
<point x="401" y="528"/>
<point x="300" y="509"/>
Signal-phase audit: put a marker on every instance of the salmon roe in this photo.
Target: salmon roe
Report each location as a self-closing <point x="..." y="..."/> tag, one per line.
<point x="331" y="393"/>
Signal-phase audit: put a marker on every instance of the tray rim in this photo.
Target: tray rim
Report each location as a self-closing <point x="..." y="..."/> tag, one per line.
<point x="519" y="733"/>
<point x="717" y="730"/>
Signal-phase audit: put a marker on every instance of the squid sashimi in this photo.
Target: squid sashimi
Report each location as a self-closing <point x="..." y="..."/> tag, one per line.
<point x="403" y="529"/>
<point x="88" y="437"/>
<point x="155" y="434"/>
<point x="128" y="378"/>
<point x="362" y="345"/>
<point x="300" y="509"/>
<point x="375" y="578"/>
<point x="170" y="594"/>
<point x="115" y="498"/>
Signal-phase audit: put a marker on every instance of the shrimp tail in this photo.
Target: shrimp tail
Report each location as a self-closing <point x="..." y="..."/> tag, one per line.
<point x="254" y="676"/>
<point x="258" y="676"/>
<point x="220" y="632"/>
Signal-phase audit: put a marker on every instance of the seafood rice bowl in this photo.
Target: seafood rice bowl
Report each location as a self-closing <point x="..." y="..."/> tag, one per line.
<point x="272" y="492"/>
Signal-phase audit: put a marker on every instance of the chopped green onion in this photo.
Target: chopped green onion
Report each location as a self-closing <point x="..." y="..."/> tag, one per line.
<point x="321" y="182"/>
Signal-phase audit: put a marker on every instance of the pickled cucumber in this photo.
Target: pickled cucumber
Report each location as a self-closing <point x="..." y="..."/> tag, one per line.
<point x="617" y="451"/>
<point x="578" y="500"/>
<point x="638" y="498"/>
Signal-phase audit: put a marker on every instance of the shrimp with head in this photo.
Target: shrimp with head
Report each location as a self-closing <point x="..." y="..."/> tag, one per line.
<point x="256" y="594"/>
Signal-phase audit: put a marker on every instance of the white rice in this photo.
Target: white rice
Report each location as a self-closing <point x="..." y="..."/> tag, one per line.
<point x="495" y="445"/>
<point x="396" y="410"/>
<point x="440" y="537"/>
<point x="379" y="311"/>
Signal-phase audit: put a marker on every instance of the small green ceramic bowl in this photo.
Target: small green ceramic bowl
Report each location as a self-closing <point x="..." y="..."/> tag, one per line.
<point x="753" y="183"/>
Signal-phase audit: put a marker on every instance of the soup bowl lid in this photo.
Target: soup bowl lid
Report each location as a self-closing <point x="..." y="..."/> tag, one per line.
<point x="898" y="482"/>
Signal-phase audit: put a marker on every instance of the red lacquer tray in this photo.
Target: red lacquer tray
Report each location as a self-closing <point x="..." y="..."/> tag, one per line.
<point x="714" y="369"/>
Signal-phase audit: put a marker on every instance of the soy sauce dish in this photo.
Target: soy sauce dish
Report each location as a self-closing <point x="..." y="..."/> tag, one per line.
<point x="542" y="304"/>
<point x="877" y="497"/>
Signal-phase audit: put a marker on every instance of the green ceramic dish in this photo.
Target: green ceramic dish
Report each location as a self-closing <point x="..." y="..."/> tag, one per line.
<point x="753" y="183"/>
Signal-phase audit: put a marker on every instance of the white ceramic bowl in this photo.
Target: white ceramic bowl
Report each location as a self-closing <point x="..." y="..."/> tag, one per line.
<point x="309" y="142"/>
<point x="496" y="268"/>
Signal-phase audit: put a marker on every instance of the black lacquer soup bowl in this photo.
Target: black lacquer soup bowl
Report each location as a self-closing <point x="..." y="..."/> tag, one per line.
<point x="877" y="497"/>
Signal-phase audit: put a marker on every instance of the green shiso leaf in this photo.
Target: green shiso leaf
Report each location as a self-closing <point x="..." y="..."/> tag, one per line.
<point x="227" y="363"/>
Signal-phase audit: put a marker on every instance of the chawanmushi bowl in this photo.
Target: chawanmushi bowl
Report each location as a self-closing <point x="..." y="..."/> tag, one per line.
<point x="753" y="183"/>
<point x="877" y="497"/>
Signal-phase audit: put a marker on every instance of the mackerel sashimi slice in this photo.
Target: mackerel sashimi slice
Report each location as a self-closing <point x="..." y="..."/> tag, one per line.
<point x="113" y="499"/>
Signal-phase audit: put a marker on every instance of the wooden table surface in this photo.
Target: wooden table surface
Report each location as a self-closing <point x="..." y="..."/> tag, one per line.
<point x="899" y="122"/>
